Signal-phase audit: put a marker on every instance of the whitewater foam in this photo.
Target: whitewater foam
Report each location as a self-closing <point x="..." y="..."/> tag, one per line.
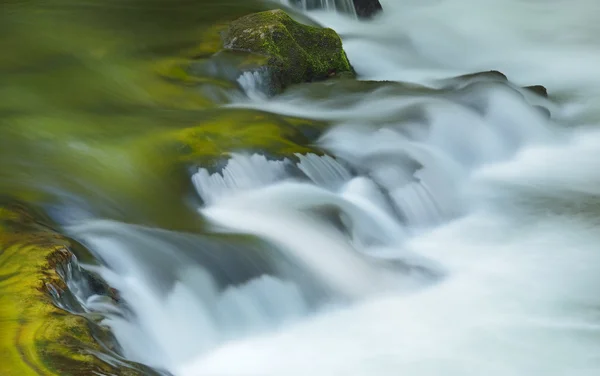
<point x="452" y="230"/>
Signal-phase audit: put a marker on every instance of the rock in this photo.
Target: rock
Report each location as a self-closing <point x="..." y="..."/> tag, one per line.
<point x="458" y="82"/>
<point x="538" y="89"/>
<point x="488" y="75"/>
<point x="288" y="52"/>
<point x="367" y="8"/>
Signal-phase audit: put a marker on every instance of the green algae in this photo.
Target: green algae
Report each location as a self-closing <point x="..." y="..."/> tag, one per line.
<point x="37" y="338"/>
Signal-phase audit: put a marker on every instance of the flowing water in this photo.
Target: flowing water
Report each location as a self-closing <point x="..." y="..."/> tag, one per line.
<point x="451" y="229"/>
<point x="341" y="6"/>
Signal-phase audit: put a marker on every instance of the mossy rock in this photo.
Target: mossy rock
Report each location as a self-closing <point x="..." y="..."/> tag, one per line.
<point x="37" y="338"/>
<point x="223" y="132"/>
<point x="367" y="8"/>
<point x="293" y="52"/>
<point x="492" y="76"/>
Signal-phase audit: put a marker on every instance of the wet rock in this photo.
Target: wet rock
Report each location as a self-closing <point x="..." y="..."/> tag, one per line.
<point x="286" y="52"/>
<point x="488" y="75"/>
<point x="495" y="76"/>
<point x="538" y="89"/>
<point x="367" y="8"/>
<point x="221" y="133"/>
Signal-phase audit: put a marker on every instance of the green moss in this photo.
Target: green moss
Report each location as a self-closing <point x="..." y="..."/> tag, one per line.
<point x="37" y="338"/>
<point x="222" y="133"/>
<point x="297" y="53"/>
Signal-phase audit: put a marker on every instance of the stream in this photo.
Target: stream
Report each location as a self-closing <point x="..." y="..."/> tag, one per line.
<point x="451" y="228"/>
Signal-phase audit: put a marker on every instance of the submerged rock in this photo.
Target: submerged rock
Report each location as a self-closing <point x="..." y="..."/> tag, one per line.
<point x="285" y="51"/>
<point x="538" y="89"/>
<point x="492" y="75"/>
<point x="221" y="133"/>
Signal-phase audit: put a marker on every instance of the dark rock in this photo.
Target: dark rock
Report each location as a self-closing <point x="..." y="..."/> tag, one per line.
<point x="538" y="89"/>
<point x="367" y="8"/>
<point x="491" y="77"/>
<point x="492" y="74"/>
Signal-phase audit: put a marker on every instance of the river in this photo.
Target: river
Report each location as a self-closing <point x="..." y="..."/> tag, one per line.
<point x="454" y="231"/>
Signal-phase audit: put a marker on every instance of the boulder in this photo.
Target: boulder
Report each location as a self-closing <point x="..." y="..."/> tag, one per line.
<point x="491" y="75"/>
<point x="367" y="8"/>
<point x="286" y="52"/>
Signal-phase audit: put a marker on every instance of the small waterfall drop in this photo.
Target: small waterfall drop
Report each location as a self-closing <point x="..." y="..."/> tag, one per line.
<point x="341" y="6"/>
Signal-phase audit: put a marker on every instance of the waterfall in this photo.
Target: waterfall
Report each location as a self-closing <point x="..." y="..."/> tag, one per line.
<point x="341" y="6"/>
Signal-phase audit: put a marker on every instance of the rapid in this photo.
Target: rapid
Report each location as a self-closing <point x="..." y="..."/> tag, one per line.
<point x="451" y="229"/>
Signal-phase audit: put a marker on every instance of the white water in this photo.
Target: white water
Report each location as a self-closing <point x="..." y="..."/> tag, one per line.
<point x="342" y="6"/>
<point x="467" y="244"/>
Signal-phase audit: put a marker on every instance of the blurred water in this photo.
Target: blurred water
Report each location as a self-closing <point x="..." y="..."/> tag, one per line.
<point x="451" y="229"/>
<point x="503" y="199"/>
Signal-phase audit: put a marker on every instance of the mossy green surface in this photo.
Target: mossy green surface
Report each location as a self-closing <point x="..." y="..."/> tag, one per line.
<point x="37" y="338"/>
<point x="297" y="53"/>
<point x="241" y="131"/>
